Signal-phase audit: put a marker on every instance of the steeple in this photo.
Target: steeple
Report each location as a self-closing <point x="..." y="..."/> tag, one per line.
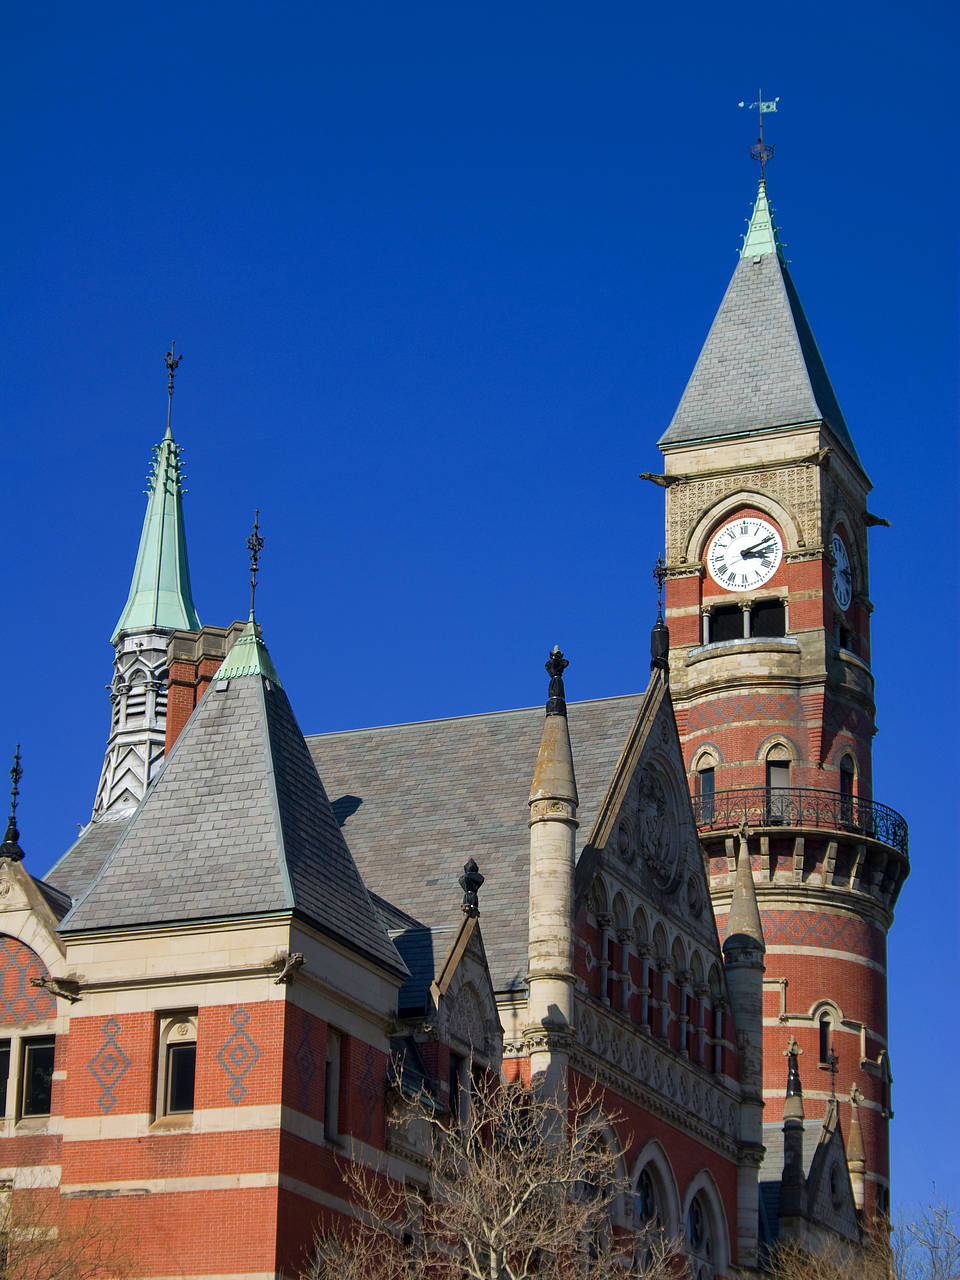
<point x="160" y="596"/>
<point x="159" y="603"/>
<point x="760" y="369"/>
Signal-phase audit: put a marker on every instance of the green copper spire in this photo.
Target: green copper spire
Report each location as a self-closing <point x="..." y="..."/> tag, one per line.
<point x="248" y="657"/>
<point x="160" y="591"/>
<point x="762" y="236"/>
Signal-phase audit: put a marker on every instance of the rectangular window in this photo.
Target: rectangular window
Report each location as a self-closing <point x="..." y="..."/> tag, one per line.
<point x="177" y="1064"/>
<point x="768" y="618"/>
<point x="4" y="1074"/>
<point x="181" y="1077"/>
<point x="457" y="1088"/>
<point x="726" y="623"/>
<point x="778" y="791"/>
<point x="37" y="1077"/>
<point x="331" y="1085"/>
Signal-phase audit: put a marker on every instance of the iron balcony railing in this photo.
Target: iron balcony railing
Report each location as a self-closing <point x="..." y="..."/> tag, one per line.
<point x="801" y="807"/>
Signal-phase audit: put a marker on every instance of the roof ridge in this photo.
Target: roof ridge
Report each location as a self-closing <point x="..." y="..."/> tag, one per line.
<point x="471" y="715"/>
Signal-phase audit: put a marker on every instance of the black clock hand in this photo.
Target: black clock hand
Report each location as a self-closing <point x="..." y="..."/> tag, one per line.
<point x="757" y="553"/>
<point x="764" y="542"/>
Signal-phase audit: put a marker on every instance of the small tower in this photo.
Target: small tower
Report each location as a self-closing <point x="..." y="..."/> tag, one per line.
<point x="159" y="603"/>
<point x="743" y="950"/>
<point x="553" y="830"/>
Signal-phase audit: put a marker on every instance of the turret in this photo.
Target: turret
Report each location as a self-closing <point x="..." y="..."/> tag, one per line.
<point x="553" y="828"/>
<point x="743" y="951"/>
<point x="159" y="603"/>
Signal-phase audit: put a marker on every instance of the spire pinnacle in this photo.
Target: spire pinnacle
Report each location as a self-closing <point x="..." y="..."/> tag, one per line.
<point x="763" y="235"/>
<point x="855" y="1147"/>
<point x="160" y="598"/>
<point x="11" y="841"/>
<point x="554" y="776"/>
<point x="744" y="930"/>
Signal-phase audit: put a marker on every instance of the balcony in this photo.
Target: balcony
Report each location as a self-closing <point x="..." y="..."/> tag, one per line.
<point x="804" y="807"/>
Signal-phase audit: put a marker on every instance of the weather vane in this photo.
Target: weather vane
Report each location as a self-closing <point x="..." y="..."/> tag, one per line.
<point x="255" y="545"/>
<point x="172" y="362"/>
<point x="762" y="151"/>
<point x="660" y="574"/>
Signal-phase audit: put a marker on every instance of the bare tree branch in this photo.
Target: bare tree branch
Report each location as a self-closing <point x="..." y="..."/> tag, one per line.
<point x="523" y="1186"/>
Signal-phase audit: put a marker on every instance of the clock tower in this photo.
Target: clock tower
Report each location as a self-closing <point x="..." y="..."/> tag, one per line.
<point x="768" y="606"/>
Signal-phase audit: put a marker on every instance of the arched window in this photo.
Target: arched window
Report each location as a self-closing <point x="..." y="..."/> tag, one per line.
<point x="700" y="1246"/>
<point x="705" y="790"/>
<point x="847" y="775"/>
<point x="778" y="785"/>
<point x="825" y="1024"/>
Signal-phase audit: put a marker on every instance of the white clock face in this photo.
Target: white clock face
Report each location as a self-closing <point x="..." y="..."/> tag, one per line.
<point x="842" y="573"/>
<point x="744" y="553"/>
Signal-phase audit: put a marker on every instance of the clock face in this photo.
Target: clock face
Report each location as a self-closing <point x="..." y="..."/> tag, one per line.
<point x="842" y="573"/>
<point x="744" y="553"/>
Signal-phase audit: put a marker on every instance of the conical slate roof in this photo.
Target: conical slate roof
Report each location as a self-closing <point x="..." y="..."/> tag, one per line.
<point x="160" y="590"/>
<point x="759" y="369"/>
<point x="237" y="822"/>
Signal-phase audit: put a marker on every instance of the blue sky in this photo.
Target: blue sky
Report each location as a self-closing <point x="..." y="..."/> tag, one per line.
<point x="439" y="274"/>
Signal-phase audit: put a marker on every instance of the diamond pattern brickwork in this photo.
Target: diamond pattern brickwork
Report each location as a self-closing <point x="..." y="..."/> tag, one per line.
<point x="19" y="1001"/>
<point x="819" y="929"/>
<point x="761" y="706"/>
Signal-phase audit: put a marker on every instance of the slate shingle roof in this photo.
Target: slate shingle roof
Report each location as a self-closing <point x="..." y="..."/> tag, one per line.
<point x="418" y="800"/>
<point x="759" y="368"/>
<point x="237" y="822"/>
<point x="83" y="860"/>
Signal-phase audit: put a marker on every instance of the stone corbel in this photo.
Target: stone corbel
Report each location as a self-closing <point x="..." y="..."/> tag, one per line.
<point x="63" y="988"/>
<point x="285" y="966"/>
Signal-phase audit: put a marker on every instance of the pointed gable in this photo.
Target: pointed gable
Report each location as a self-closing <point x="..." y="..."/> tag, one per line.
<point x="760" y="368"/>
<point x="236" y="823"/>
<point x="645" y="831"/>
<point x="830" y="1199"/>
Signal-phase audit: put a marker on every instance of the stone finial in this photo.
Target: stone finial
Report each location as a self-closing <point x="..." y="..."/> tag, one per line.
<point x="555" y="666"/>
<point x="11" y="841"/>
<point x="553" y="776"/>
<point x="470" y="883"/>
